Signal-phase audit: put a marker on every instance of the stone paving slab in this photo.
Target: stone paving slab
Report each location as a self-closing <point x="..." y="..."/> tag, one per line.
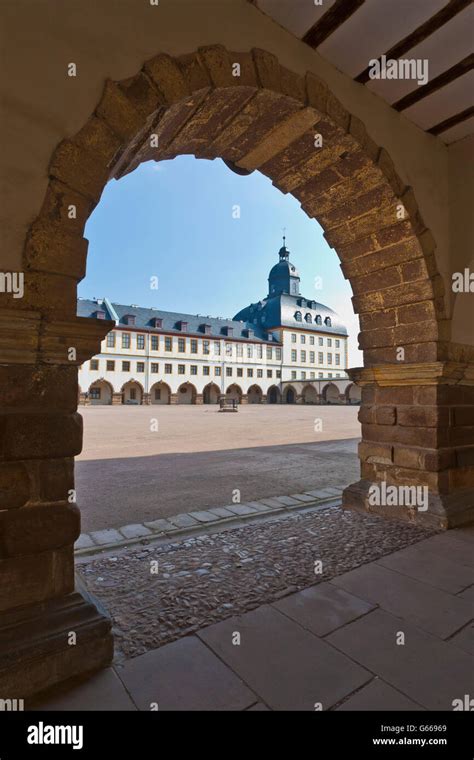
<point x="323" y="608"/>
<point x="376" y="696"/>
<point x="261" y="506"/>
<point x="287" y="501"/>
<point x="160" y="526"/>
<point x="467" y="594"/>
<point x="184" y="675"/>
<point x="183" y="521"/>
<point x="221" y="512"/>
<point x="137" y="530"/>
<point x="101" y="691"/>
<point x="447" y="547"/>
<point x="445" y="574"/>
<point x="427" y="670"/>
<point x="302" y="497"/>
<point x="84" y="542"/>
<point x="107" y="536"/>
<point x="323" y="493"/>
<point x="276" y="502"/>
<point x="465" y="639"/>
<point x="203" y="516"/>
<point x="241" y="509"/>
<point x="429" y="608"/>
<point x="288" y="667"/>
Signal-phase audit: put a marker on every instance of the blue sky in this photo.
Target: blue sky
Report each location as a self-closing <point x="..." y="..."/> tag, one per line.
<point x="175" y="220"/>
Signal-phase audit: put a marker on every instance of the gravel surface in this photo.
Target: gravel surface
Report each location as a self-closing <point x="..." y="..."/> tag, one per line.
<point x="204" y="579"/>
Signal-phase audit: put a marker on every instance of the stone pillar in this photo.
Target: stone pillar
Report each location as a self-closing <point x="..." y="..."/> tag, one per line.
<point x="417" y="431"/>
<point x="199" y="398"/>
<point x="146" y="399"/>
<point x="173" y="398"/>
<point x="264" y="398"/>
<point x="299" y="399"/>
<point x="244" y="399"/>
<point x="116" y="398"/>
<point x="41" y="432"/>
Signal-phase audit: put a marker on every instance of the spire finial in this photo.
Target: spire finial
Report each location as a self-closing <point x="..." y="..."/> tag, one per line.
<point x="284" y="237"/>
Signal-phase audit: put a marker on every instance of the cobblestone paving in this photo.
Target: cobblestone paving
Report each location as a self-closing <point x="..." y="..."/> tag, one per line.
<point x="206" y="578"/>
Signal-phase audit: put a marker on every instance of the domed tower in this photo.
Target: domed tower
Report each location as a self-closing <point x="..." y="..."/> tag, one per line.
<point x="284" y="278"/>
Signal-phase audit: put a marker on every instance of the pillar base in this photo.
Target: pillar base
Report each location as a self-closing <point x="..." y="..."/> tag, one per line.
<point x="35" y="653"/>
<point x="444" y="510"/>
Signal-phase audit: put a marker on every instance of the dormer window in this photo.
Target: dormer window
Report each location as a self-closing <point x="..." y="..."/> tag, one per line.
<point x="99" y="314"/>
<point x="327" y="321"/>
<point x="156" y="322"/>
<point x="183" y="326"/>
<point x="248" y="333"/>
<point x="229" y="330"/>
<point x="318" y="319"/>
<point x="298" y="316"/>
<point x="308" y="318"/>
<point x="206" y="329"/>
<point x="129" y="319"/>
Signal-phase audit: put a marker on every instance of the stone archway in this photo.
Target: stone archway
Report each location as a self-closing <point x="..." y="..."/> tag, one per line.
<point x="132" y="392"/>
<point x="309" y="395"/>
<point x="234" y="393"/>
<point x="330" y="394"/>
<point x="273" y="395"/>
<point x="414" y="401"/>
<point x="100" y="392"/>
<point x="160" y="393"/>
<point x="289" y="395"/>
<point x="187" y="394"/>
<point x="255" y="394"/>
<point x="211" y="394"/>
<point x="353" y="394"/>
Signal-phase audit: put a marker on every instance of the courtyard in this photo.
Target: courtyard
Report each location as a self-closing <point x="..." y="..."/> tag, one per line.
<point x="142" y="463"/>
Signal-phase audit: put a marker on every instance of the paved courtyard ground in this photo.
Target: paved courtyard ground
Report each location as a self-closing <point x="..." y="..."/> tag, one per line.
<point x="129" y="471"/>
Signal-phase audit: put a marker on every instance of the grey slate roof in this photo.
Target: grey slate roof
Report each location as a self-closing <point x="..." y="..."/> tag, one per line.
<point x="281" y="309"/>
<point x="144" y="317"/>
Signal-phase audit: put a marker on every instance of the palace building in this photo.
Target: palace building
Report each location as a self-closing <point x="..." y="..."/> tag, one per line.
<point x="161" y="357"/>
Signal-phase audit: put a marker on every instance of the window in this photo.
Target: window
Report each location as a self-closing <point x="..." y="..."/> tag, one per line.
<point x="168" y="369"/>
<point x="329" y="374"/>
<point x="329" y="358"/>
<point x="250" y="372"/>
<point x="327" y="321"/>
<point x="260" y="373"/>
<point x="228" y="371"/>
<point x="293" y="337"/>
<point x="111" y="340"/>
<point x="302" y="338"/>
<point x="312" y="375"/>
<point x="155" y="367"/>
<point x="168" y="344"/>
<point x="94" y="364"/>
<point x="140" y="342"/>
<point x="293" y="355"/>
<point x="303" y="356"/>
<point x="181" y="345"/>
<point x="259" y="352"/>
<point x="298" y="316"/>
<point x="338" y="343"/>
<point x="311" y="339"/>
<point x="125" y="366"/>
<point x="125" y="340"/>
<point x="318" y="319"/>
<point x="303" y="375"/>
<point x="194" y="369"/>
<point x="249" y="352"/>
<point x="155" y="342"/>
<point x="205" y="370"/>
<point x="329" y="341"/>
<point x="337" y="358"/>
<point x="217" y="347"/>
<point x="308" y="318"/>
<point x="312" y="357"/>
<point x="181" y="369"/>
<point x="269" y="373"/>
<point x="95" y="393"/>
<point x="157" y="394"/>
<point x="205" y="347"/>
<point x="278" y="373"/>
<point x="320" y="358"/>
<point x="320" y="341"/>
<point x="240" y="372"/>
<point x="110" y="366"/>
<point x="217" y="371"/>
<point x="240" y="349"/>
<point x="228" y="349"/>
<point x="140" y="366"/>
<point x="269" y="352"/>
<point x="194" y="346"/>
<point x="293" y="374"/>
<point x="320" y="374"/>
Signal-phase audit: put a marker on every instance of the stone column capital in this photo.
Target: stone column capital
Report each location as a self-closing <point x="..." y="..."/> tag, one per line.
<point x="423" y="373"/>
